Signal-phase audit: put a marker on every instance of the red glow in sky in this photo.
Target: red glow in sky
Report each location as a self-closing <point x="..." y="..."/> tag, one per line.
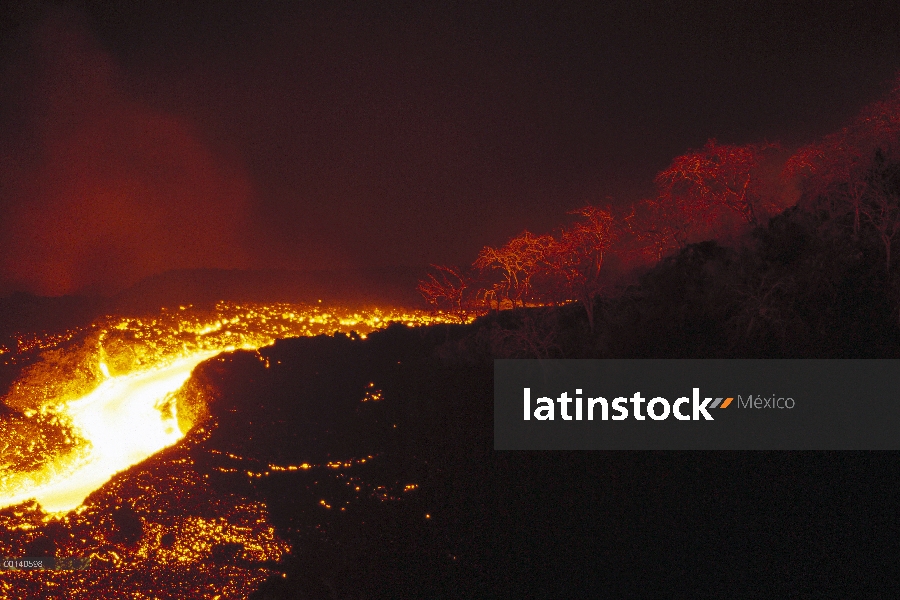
<point x="142" y="138"/>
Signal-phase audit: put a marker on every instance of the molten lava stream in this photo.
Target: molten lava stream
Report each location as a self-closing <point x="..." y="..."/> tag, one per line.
<point x="123" y="421"/>
<point x="130" y="416"/>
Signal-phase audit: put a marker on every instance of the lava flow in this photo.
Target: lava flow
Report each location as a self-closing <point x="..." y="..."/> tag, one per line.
<point x="123" y="421"/>
<point x="126" y="411"/>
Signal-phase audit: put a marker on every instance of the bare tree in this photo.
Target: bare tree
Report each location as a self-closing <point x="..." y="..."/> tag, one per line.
<point x="881" y="205"/>
<point x="518" y="261"/>
<point x="577" y="256"/>
<point x="444" y="289"/>
<point x="835" y="172"/>
<point x="832" y="172"/>
<point x="659" y="225"/>
<point x="717" y="175"/>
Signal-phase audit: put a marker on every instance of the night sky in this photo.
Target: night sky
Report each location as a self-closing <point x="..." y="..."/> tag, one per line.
<point x="136" y="139"/>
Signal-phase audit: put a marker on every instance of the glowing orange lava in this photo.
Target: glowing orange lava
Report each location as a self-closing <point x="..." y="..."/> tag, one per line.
<point x="129" y="412"/>
<point x="122" y="422"/>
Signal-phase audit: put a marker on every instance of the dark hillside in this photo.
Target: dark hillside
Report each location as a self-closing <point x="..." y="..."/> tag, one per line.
<point x="480" y="523"/>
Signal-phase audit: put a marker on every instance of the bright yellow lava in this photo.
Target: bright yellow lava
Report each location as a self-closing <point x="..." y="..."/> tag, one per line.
<point x="122" y="422"/>
<point x="130" y="415"/>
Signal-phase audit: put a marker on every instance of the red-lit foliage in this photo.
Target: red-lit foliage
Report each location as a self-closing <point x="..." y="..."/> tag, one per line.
<point x="853" y="172"/>
<point x="570" y="264"/>
<point x="444" y="288"/>
<point x="832" y="174"/>
<point x="852" y="175"/>
<point x="518" y="261"/>
<point x="718" y="175"/>
<point x="660" y="226"/>
<point x="577" y="256"/>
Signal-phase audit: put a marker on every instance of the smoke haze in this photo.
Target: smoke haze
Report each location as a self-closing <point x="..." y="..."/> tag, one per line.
<point x="137" y="138"/>
<point x="104" y="190"/>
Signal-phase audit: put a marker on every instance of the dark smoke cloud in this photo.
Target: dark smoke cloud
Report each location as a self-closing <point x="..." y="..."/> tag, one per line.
<point x="98" y="189"/>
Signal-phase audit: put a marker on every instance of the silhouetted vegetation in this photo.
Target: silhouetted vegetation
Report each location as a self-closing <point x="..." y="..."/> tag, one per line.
<point x="720" y="268"/>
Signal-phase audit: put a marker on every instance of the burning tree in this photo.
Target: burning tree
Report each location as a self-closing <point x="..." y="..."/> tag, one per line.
<point x="518" y="261"/>
<point x="718" y="175"/>
<point x="577" y="257"/>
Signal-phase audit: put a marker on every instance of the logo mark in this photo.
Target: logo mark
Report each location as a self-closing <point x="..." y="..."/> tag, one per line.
<point x="724" y="404"/>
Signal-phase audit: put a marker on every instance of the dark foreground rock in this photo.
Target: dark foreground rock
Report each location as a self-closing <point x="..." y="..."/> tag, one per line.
<point x="435" y="512"/>
<point x="336" y="467"/>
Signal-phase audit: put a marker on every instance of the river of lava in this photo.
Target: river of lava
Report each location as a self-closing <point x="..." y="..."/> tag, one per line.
<point x="122" y="422"/>
<point x="131" y="414"/>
